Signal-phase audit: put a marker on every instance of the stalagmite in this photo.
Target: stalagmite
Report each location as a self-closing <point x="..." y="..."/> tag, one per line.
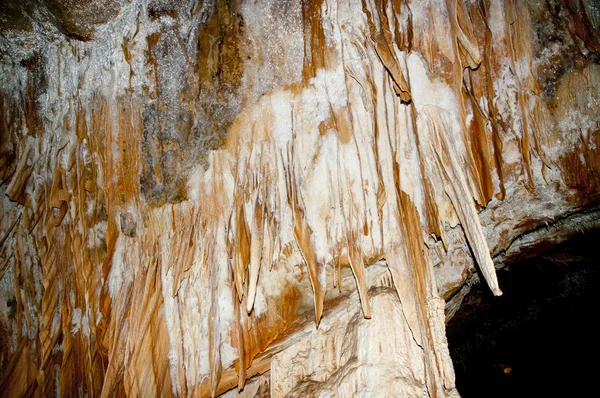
<point x="281" y="198"/>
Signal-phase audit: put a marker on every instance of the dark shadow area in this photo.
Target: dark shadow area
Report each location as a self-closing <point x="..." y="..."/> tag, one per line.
<point x="540" y="338"/>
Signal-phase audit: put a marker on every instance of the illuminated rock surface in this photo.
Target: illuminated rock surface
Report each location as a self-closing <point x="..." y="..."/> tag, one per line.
<point x="194" y="193"/>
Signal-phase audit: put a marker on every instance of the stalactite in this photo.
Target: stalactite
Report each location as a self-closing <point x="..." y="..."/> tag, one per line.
<point x="191" y="188"/>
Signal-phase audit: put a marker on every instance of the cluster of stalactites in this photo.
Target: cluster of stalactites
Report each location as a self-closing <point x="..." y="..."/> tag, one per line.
<point x="406" y="118"/>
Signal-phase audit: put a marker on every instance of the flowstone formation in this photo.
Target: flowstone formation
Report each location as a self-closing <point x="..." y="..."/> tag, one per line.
<point x="283" y="198"/>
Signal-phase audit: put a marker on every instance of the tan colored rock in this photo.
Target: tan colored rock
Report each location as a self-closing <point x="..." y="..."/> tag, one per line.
<point x="349" y="355"/>
<point x="199" y="181"/>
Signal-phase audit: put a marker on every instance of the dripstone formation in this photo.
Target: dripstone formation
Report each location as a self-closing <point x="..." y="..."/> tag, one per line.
<point x="278" y="198"/>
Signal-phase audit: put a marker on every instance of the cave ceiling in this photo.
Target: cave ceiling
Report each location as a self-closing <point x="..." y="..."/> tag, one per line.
<point x="284" y="198"/>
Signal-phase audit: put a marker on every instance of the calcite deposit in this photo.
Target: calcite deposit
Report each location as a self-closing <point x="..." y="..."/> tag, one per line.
<point x="267" y="197"/>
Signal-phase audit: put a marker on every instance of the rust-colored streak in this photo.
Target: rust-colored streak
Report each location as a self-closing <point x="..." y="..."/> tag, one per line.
<point x="383" y="43"/>
<point x="358" y="268"/>
<point x="315" y="48"/>
<point x="303" y="236"/>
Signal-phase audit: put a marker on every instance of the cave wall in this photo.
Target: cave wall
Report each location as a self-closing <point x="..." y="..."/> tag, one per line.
<point x="183" y="181"/>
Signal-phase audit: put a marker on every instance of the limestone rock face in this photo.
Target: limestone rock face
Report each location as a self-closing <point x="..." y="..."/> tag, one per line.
<point x="277" y="196"/>
<point x="349" y="355"/>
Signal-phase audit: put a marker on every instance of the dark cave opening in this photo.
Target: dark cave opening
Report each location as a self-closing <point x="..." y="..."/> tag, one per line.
<point x="538" y="339"/>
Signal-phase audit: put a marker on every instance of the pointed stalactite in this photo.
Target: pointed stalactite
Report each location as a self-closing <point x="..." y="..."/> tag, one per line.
<point x="356" y="258"/>
<point x="241" y="252"/>
<point x="303" y="237"/>
<point x="256" y="246"/>
<point x="400" y="259"/>
<point x="458" y="191"/>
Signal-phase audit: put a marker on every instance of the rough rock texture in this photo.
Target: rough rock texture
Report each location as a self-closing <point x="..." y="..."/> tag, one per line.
<point x="184" y="183"/>
<point x="350" y="356"/>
